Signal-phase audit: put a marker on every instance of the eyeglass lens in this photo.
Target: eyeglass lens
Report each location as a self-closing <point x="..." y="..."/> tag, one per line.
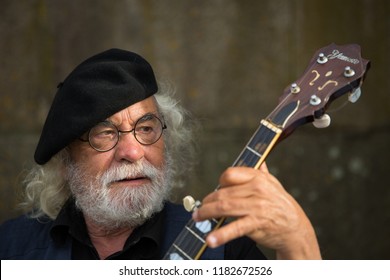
<point x="105" y="135"/>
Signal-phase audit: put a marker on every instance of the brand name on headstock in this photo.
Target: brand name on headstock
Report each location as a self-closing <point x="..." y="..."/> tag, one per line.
<point x="336" y="54"/>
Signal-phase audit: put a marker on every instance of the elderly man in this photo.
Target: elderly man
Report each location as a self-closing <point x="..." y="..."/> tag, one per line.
<point x="110" y="151"/>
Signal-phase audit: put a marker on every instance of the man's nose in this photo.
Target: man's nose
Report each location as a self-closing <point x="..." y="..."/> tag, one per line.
<point x="128" y="148"/>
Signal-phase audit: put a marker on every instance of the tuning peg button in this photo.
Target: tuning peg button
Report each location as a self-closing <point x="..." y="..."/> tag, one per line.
<point x="190" y="204"/>
<point x="354" y="95"/>
<point x="322" y="122"/>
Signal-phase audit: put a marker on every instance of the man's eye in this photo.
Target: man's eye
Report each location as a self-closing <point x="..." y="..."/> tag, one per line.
<point x="108" y="133"/>
<point x="144" y="129"/>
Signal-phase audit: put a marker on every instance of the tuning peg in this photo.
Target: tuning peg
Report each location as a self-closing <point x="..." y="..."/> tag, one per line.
<point x="315" y="100"/>
<point x="349" y="72"/>
<point x="322" y="59"/>
<point x="354" y="95"/>
<point x="190" y="204"/>
<point x="322" y="122"/>
<point x="295" y="88"/>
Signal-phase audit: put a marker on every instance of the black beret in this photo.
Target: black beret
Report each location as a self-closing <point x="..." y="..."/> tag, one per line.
<point x="99" y="87"/>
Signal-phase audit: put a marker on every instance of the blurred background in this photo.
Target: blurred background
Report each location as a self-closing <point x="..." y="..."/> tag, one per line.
<point x="229" y="61"/>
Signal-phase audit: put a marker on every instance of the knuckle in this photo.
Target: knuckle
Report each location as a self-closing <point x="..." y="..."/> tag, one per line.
<point x="257" y="186"/>
<point x="238" y="231"/>
<point x="223" y="206"/>
<point x="229" y="174"/>
<point x="260" y="205"/>
<point x="219" y="195"/>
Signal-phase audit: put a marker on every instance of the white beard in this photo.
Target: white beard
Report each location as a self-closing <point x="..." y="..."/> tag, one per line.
<point x="114" y="208"/>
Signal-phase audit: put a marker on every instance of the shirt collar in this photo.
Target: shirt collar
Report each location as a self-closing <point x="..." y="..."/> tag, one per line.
<point x="70" y="222"/>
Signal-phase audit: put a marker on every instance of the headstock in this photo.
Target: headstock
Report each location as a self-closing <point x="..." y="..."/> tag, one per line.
<point x="332" y="72"/>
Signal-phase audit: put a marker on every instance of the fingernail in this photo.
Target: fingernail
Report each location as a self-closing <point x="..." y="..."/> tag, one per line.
<point x="212" y="241"/>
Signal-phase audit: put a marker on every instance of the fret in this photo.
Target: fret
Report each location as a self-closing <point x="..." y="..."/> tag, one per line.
<point x="182" y="253"/>
<point x="248" y="158"/>
<point x="191" y="239"/>
<point x="253" y="151"/>
<point x="194" y="234"/>
<point x="187" y="246"/>
<point x="202" y="228"/>
<point x="262" y="138"/>
<point x="258" y="145"/>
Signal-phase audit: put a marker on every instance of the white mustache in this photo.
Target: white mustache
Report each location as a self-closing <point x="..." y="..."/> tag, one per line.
<point x="141" y="169"/>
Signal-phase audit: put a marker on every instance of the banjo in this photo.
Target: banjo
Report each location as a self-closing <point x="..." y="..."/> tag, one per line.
<point x="332" y="72"/>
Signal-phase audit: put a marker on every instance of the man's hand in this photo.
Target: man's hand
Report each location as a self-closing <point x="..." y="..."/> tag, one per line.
<point x="264" y="212"/>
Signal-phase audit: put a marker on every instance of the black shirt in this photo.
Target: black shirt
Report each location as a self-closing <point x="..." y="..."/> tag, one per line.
<point x="143" y="244"/>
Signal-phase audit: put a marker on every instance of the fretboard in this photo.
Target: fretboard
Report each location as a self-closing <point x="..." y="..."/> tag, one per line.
<point x="190" y="244"/>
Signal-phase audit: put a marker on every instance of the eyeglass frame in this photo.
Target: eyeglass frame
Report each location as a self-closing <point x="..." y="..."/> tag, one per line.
<point x="119" y="132"/>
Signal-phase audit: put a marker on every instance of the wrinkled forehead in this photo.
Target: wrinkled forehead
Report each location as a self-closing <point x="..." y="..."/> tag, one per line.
<point x="131" y="114"/>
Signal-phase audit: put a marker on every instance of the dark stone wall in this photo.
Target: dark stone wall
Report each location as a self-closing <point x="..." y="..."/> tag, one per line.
<point x="229" y="61"/>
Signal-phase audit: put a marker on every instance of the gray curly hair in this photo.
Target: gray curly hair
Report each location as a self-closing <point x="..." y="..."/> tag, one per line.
<point x="46" y="187"/>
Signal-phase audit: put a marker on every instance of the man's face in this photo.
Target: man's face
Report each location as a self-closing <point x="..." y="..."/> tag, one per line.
<point x="123" y="185"/>
<point x="128" y="148"/>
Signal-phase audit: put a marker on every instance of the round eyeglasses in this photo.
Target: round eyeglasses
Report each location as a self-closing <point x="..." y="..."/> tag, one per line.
<point x="105" y="135"/>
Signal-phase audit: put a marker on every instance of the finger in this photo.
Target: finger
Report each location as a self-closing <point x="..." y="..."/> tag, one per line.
<point x="233" y="230"/>
<point x="237" y="175"/>
<point x="233" y="207"/>
<point x="229" y="192"/>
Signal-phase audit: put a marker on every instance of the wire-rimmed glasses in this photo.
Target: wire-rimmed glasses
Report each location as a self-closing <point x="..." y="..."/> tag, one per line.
<point x="105" y="135"/>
